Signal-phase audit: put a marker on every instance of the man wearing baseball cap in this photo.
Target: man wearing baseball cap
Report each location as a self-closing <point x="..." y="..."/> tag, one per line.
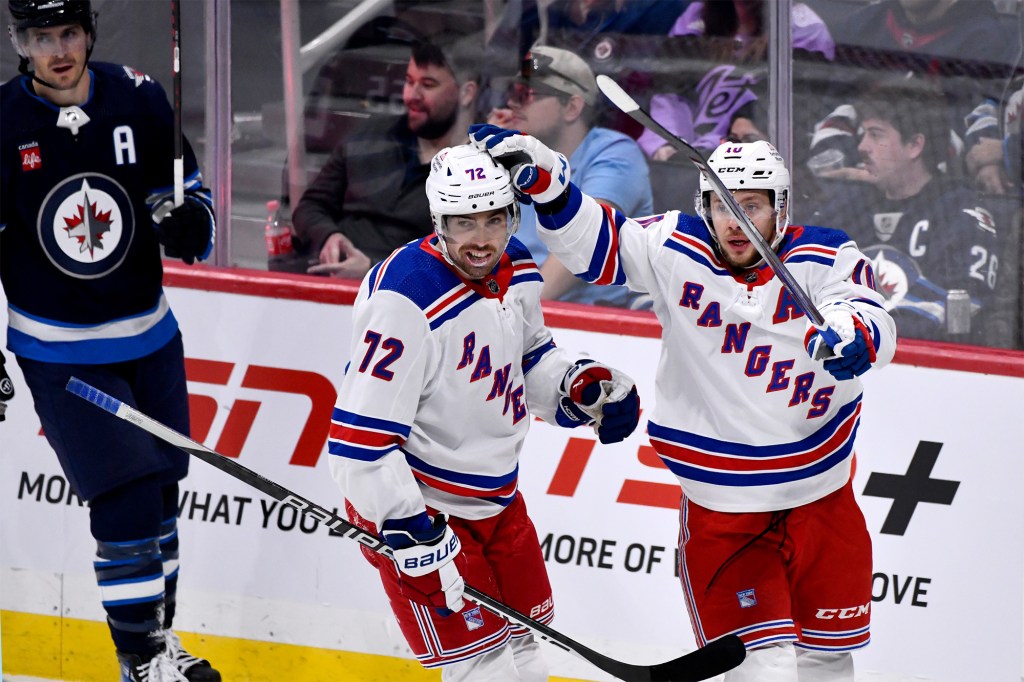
<point x="554" y="98"/>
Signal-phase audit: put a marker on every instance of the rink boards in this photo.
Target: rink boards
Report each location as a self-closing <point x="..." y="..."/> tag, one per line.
<point x="273" y="596"/>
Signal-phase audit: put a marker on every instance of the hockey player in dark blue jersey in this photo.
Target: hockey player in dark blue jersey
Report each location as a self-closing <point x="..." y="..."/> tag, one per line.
<point x="86" y="202"/>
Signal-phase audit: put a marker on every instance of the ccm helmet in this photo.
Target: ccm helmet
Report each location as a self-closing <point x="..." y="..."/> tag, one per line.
<point x="750" y="165"/>
<point x="27" y="14"/>
<point x="465" y="180"/>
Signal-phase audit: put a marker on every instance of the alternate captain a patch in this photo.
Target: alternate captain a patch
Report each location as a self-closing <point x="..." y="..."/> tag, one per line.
<point x="747" y="599"/>
<point x="474" y="619"/>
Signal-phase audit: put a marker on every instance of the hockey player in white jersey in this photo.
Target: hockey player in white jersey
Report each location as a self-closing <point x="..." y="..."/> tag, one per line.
<point x="773" y="546"/>
<point x="449" y="358"/>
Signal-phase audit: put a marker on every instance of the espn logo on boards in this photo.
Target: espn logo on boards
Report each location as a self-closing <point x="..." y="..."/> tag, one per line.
<point x="242" y="412"/>
<point x="30" y="157"/>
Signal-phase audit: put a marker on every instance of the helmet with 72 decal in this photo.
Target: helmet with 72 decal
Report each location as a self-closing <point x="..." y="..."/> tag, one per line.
<point x="748" y="166"/>
<point x="465" y="180"/>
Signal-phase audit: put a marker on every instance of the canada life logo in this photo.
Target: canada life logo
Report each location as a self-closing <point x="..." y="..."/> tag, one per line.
<point x="31" y="159"/>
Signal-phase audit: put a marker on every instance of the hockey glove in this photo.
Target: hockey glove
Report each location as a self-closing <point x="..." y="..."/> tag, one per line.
<point x="592" y="393"/>
<point x="429" y="559"/>
<point x="538" y="173"/>
<point x="186" y="231"/>
<point x="6" y="388"/>
<point x="852" y="348"/>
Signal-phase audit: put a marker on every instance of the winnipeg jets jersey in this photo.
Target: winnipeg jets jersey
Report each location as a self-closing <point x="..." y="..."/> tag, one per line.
<point x="79" y="258"/>
<point x="743" y="417"/>
<point x="443" y="375"/>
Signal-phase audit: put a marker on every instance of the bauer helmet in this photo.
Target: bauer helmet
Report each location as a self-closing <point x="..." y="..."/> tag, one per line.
<point x="26" y="14"/>
<point x="748" y="165"/>
<point x="465" y="180"/>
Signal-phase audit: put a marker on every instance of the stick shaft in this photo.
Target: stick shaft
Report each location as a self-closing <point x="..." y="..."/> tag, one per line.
<point x="715" y="658"/>
<point x="178" y="169"/>
<point x="619" y="97"/>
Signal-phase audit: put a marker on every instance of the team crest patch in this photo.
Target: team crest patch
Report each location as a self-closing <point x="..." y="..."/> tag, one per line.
<point x="747" y="599"/>
<point x="474" y="619"/>
<point x="135" y="75"/>
<point x="86" y="224"/>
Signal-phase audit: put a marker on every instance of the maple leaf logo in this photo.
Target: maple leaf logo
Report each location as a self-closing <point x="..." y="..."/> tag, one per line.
<point x="88" y="226"/>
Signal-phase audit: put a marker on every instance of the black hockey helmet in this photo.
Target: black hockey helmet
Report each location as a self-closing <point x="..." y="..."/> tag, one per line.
<point x="26" y="14"/>
<point x="39" y="13"/>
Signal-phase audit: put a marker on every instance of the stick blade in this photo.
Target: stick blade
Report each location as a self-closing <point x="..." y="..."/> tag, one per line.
<point x="619" y="97"/>
<point x="713" y="659"/>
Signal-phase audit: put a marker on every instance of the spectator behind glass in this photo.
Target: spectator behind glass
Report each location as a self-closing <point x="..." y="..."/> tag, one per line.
<point x="703" y="118"/>
<point x="589" y="27"/>
<point x="553" y="99"/>
<point x="965" y="43"/>
<point x="369" y="197"/>
<point x="925" y="232"/>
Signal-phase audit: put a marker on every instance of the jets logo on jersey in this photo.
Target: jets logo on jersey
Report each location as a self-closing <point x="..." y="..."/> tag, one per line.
<point x="86" y="225"/>
<point x="899" y="279"/>
<point x="895" y="273"/>
<point x="30" y="157"/>
<point x="136" y="76"/>
<point x="985" y="220"/>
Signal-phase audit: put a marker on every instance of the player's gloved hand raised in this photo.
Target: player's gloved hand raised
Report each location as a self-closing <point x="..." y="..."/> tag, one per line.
<point x="429" y="559"/>
<point x="538" y="173"/>
<point x="594" y="393"/>
<point x="186" y="231"/>
<point x="6" y="388"/>
<point x="852" y="347"/>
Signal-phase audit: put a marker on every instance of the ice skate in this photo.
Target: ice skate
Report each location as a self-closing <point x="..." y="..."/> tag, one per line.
<point x="160" y="668"/>
<point x="193" y="668"/>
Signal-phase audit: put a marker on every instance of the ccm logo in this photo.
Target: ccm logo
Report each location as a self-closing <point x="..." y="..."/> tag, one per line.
<point x="732" y="169"/>
<point x="842" y="614"/>
<point x="410" y="564"/>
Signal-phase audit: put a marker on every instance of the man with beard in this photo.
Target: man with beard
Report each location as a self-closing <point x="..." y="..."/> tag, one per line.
<point x="449" y="358"/>
<point x="368" y="198"/>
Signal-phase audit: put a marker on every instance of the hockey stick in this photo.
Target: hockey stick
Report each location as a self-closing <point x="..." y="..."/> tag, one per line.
<point x="179" y="157"/>
<point x="621" y="99"/>
<point x="715" y="658"/>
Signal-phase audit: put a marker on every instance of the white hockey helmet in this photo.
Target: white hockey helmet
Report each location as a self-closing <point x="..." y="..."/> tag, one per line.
<point x="465" y="180"/>
<point x="748" y="165"/>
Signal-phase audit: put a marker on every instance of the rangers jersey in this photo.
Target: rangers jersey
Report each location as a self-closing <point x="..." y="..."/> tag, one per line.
<point x="443" y="376"/>
<point x="79" y="258"/>
<point x="743" y="417"/>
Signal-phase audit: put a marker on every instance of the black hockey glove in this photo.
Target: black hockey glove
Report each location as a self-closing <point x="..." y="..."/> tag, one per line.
<point x="6" y="388"/>
<point x="186" y="231"/>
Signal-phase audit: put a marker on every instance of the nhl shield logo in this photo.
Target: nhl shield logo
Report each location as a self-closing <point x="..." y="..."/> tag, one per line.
<point x="86" y="225"/>
<point x="885" y="224"/>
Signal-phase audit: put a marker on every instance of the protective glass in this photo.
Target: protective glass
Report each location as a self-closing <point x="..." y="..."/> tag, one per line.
<point x="539" y="65"/>
<point x="42" y="42"/>
<point x="521" y="94"/>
